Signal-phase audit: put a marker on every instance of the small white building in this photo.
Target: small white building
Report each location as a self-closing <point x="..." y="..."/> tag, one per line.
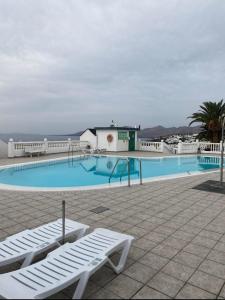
<point x="89" y="135"/>
<point x="112" y="138"/>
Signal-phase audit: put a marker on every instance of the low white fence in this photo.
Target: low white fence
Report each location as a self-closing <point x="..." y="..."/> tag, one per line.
<point x="199" y="147"/>
<point x="181" y="148"/>
<point x="151" y="146"/>
<point x="18" y="149"/>
<point x="210" y="147"/>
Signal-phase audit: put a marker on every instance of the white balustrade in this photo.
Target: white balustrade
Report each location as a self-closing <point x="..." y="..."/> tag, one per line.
<point x="151" y="146"/>
<point x="18" y="149"/>
<point x="210" y="147"/>
<point x="202" y="147"/>
<point x="187" y="148"/>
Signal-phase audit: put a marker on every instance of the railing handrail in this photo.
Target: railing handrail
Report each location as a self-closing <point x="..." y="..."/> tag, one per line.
<point x="122" y="174"/>
<point x="119" y="159"/>
<point x="114" y="169"/>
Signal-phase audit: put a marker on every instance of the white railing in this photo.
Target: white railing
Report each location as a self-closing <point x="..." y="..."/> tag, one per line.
<point x="210" y="147"/>
<point x="151" y="146"/>
<point x="18" y="149"/>
<point x="199" y="147"/>
<point x="187" y="148"/>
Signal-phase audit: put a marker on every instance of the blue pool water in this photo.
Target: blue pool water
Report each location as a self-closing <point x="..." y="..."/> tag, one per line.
<point x="95" y="170"/>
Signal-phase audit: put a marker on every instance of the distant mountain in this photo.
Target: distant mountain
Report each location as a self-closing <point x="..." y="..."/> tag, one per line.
<point x="151" y="133"/>
<point x="160" y="131"/>
<point x="76" y="134"/>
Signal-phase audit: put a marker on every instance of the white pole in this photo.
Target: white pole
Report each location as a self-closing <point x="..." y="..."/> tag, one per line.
<point x="222" y="152"/>
<point x="63" y="221"/>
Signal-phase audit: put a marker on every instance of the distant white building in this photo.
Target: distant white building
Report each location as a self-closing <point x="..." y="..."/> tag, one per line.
<point x="112" y="138"/>
<point x="89" y="135"/>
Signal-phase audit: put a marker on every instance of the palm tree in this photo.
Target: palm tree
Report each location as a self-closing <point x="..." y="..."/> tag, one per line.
<point x="209" y="116"/>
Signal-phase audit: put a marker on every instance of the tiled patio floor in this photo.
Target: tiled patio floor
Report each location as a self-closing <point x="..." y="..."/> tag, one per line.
<point x="179" y="250"/>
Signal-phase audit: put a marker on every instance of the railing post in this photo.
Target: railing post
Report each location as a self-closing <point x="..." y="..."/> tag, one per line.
<point x="11" y="146"/>
<point x="63" y="221"/>
<point x="46" y="144"/>
<point x="140" y="172"/>
<point x="128" y="172"/>
<point x="69" y="143"/>
<point x="221" y="145"/>
<point x="179" y="149"/>
<point x="162" y="146"/>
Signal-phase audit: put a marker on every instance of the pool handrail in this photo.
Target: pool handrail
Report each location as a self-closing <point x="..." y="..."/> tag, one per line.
<point x="128" y="162"/>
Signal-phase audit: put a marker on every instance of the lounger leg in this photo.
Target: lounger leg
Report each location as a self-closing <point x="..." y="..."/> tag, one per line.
<point x="28" y="260"/>
<point x="123" y="259"/>
<point x="81" y="286"/>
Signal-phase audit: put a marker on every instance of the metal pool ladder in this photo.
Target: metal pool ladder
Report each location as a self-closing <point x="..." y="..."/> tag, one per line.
<point x="128" y="164"/>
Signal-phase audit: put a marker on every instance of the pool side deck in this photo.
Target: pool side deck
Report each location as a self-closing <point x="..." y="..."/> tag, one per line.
<point x="179" y="251"/>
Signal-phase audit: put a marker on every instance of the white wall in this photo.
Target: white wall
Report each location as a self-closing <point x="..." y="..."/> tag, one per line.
<point x="116" y="145"/>
<point x="102" y="142"/>
<point x="123" y="145"/>
<point x="3" y="149"/>
<point x="88" y="136"/>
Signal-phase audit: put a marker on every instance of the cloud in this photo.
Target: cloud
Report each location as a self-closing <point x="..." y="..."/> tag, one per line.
<point x="66" y="65"/>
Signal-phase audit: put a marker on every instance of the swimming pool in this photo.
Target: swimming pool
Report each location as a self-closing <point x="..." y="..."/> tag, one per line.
<point x="95" y="171"/>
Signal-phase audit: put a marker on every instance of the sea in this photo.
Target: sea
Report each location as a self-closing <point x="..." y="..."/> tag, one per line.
<point x="20" y="137"/>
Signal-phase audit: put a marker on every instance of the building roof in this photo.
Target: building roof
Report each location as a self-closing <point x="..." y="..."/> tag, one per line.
<point x="127" y="128"/>
<point x="92" y="130"/>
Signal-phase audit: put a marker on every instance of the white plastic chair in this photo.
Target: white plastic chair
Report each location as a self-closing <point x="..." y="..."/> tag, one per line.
<point x="29" y="243"/>
<point x="67" y="265"/>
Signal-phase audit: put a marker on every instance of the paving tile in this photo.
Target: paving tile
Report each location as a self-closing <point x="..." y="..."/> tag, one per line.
<point x="137" y="232"/>
<point x="140" y="272"/>
<point x="165" y="251"/>
<point x="222" y="293"/>
<point x="148" y="293"/>
<point x="188" y="259"/>
<point x="182" y="235"/>
<point x="178" y="271"/>
<point x="175" y="243"/>
<point x="192" y="292"/>
<point x="147" y="225"/>
<point x="154" y="261"/>
<point x="166" y="284"/>
<point x="205" y="242"/>
<point x="217" y="256"/>
<point x="124" y="286"/>
<point x="103" y="294"/>
<point x="197" y="250"/>
<point x="213" y="268"/>
<point x="210" y="235"/>
<point x="155" y="237"/>
<point x="206" y="282"/>
<point x="220" y="247"/>
<point x="145" y="244"/>
<point x="103" y="276"/>
<point x="165" y="230"/>
<point x="136" y="253"/>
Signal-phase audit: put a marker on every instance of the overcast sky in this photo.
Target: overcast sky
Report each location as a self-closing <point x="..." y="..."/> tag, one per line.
<point x="69" y="64"/>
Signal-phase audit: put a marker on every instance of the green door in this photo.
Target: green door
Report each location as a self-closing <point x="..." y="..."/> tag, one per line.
<point x="132" y="141"/>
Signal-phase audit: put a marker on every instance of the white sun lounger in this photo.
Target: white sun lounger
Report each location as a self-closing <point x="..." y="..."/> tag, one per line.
<point x="29" y="243"/>
<point x="69" y="264"/>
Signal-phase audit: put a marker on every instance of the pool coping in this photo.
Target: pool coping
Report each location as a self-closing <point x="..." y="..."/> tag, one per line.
<point x="100" y="186"/>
